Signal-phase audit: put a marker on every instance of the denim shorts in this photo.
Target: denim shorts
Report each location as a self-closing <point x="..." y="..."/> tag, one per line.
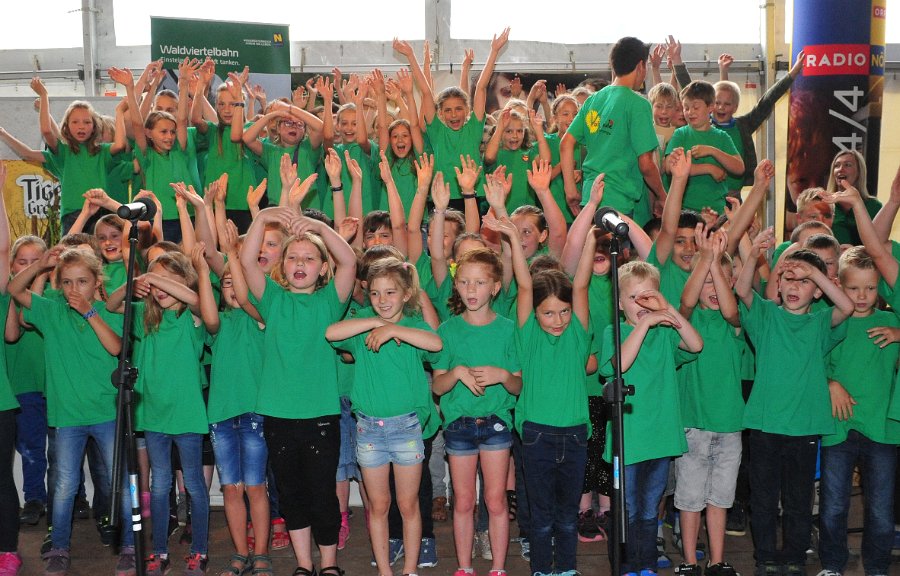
<point x="395" y="440"/>
<point x="347" y="468"/>
<point x="467" y="436"/>
<point x="240" y="448"/>
<point x="707" y="473"/>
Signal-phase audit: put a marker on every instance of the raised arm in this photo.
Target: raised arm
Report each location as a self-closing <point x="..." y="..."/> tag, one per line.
<point x="567" y="167"/>
<point x="744" y="284"/>
<point x="679" y="163"/>
<point x="571" y="252"/>
<point x="725" y="61"/>
<point x="467" y="178"/>
<point x="884" y="220"/>
<point x="885" y="262"/>
<point x="424" y="169"/>
<point x="19" y="286"/>
<point x="123" y="76"/>
<point x="484" y="78"/>
<point x="493" y="146"/>
<point x="404" y="49"/>
<point x="743" y="217"/>
<point x="582" y="280"/>
<point x="207" y="311"/>
<point x="539" y="179"/>
<point x="22" y="150"/>
<point x="395" y="206"/>
<point x="694" y="285"/>
<point x="524" y="297"/>
<point x="47" y="132"/>
<point x="341" y="252"/>
<point x="465" y="69"/>
<point x="256" y="278"/>
<point x="186" y="71"/>
<point x="440" y="195"/>
<point x="4" y="237"/>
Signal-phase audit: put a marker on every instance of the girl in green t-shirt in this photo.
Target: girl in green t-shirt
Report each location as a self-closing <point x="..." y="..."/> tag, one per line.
<point x="517" y="141"/>
<point x="478" y="376"/>
<point x="392" y="400"/>
<point x="302" y="407"/>
<point x="553" y="318"/>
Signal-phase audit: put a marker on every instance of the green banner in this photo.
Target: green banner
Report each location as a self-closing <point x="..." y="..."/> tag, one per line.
<point x="265" y="48"/>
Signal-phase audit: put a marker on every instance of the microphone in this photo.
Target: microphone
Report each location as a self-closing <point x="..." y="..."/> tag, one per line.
<point x="140" y="209"/>
<point x="608" y="219"/>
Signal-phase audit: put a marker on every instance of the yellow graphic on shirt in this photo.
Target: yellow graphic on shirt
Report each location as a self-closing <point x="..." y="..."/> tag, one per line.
<point x="592" y="119"/>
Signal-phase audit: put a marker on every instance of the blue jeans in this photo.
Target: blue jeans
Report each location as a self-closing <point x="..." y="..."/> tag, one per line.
<point x="877" y="464"/>
<point x="240" y="449"/>
<point x="645" y="483"/>
<point x="69" y="448"/>
<point x="554" y="472"/>
<point x="190" y="450"/>
<point x="31" y="444"/>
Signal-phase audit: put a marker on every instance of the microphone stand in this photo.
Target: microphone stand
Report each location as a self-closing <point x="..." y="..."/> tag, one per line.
<point x="614" y="393"/>
<point x="123" y="378"/>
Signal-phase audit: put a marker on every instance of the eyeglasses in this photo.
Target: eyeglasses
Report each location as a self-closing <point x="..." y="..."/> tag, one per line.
<point x="292" y="124"/>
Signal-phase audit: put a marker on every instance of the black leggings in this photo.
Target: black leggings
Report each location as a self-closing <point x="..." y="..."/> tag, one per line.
<point x="9" y="497"/>
<point x="304" y="455"/>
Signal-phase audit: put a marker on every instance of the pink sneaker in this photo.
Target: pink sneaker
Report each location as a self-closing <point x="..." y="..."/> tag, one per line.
<point x="145" y="504"/>
<point x="10" y="562"/>
<point x="464" y="572"/>
<point x="344" y="532"/>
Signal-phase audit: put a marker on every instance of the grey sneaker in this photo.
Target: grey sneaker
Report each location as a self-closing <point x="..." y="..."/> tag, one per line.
<point x="526" y="549"/>
<point x="56" y="562"/>
<point x="482" y="546"/>
<point x="126" y="565"/>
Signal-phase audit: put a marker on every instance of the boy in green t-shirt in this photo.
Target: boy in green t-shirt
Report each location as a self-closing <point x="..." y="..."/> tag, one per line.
<point x="616" y="127"/>
<point x="789" y="407"/>
<point x="712" y="150"/>
<point x="712" y="406"/>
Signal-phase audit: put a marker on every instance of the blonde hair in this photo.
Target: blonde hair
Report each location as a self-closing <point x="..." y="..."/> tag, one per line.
<point x="663" y="90"/>
<point x="178" y="264"/>
<point x="79" y="257"/>
<point x="855" y="257"/>
<point x="729" y="86"/>
<point x="277" y="273"/>
<point x="93" y="142"/>
<point x="860" y="170"/>
<point x="404" y="274"/>
<point x="638" y="271"/>
<point x="23" y="241"/>
<point x="810" y="195"/>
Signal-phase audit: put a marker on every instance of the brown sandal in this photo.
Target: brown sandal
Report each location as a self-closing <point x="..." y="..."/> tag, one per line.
<point x="439" y="509"/>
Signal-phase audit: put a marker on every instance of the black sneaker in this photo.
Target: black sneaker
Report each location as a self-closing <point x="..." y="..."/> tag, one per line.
<point x="793" y="570"/>
<point x="32" y="512"/>
<point x="47" y="543"/>
<point x="688" y="570"/>
<point x="82" y="509"/>
<point x="736" y="521"/>
<point x="107" y="531"/>
<point x="767" y="569"/>
<point x="720" y="569"/>
<point x="187" y="535"/>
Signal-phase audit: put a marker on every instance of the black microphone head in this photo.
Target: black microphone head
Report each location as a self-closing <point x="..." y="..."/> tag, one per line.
<point x="151" y="207"/>
<point x="601" y="213"/>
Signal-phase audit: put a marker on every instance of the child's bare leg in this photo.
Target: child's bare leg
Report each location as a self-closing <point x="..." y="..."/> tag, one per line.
<point x="236" y="515"/>
<point x="462" y="476"/>
<point x="715" y="530"/>
<point x="301" y="541"/>
<point x="379" y="501"/>
<point x="586" y="501"/>
<point x="343" y="495"/>
<point x="494" y="469"/>
<point x="690" y="531"/>
<point x="406" y="480"/>
<point x="259" y="514"/>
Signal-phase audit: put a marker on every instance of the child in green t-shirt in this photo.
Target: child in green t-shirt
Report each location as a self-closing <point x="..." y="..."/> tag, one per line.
<point x="517" y="141"/>
<point x="478" y="376"/>
<point x="789" y="405"/>
<point x="553" y="317"/>
<point x="713" y="153"/>
<point x="712" y="405"/>
<point x="656" y="338"/>
<point x="861" y="379"/>
<point x="391" y="399"/>
<point x="78" y="332"/>
<point x="298" y="302"/>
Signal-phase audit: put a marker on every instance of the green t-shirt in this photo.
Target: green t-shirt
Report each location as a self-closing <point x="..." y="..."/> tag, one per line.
<point x="392" y="381"/>
<point x="671" y="278"/>
<point x="790" y="394"/>
<point x="372" y="198"/>
<point x="170" y="377"/>
<point x="295" y="332"/>
<point x="450" y="144"/>
<point x="518" y="163"/>
<point x="302" y="155"/>
<point x="653" y="425"/>
<point x="602" y="310"/>
<point x="616" y="126"/>
<point x="346" y="370"/>
<point x="114" y="275"/>
<point x="79" y="369"/>
<point x="7" y="396"/>
<point x="866" y="371"/>
<point x="119" y="178"/>
<point x="223" y="156"/>
<point x="25" y="363"/>
<point x="732" y="182"/>
<point x="711" y="397"/>
<point x="703" y="190"/>
<point x="553" y="391"/>
<point x="557" y="186"/>
<point x="78" y="173"/>
<point x="405" y="179"/>
<point x="237" y="354"/>
<point x="159" y="171"/>
<point x="844" y="224"/>
<point x="466" y="345"/>
<point x="438" y="294"/>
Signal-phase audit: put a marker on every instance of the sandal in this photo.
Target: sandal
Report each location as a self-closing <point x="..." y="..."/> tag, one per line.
<point x="280" y="540"/>
<point x="251" y="538"/>
<point x="512" y="504"/>
<point x="267" y="569"/>
<point x="439" y="509"/>
<point x="300" y="571"/>
<point x="232" y="570"/>
<point x="331" y="570"/>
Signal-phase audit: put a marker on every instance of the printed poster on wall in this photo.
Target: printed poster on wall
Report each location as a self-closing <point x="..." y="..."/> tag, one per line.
<point x="265" y="48"/>
<point x="30" y="194"/>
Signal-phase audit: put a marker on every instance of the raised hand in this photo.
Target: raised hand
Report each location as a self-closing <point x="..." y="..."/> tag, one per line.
<point x="403" y="47"/>
<point x="679" y="163"/>
<point x="652" y="300"/>
<point x="38" y="86"/>
<point x="725" y="62"/>
<point x="540" y="174"/>
<point x="424" y="169"/>
<point x="468" y="176"/>
<point x="500" y="41"/>
<point x="597" y="188"/>
<point x="333" y="164"/>
<point x="254" y="195"/>
<point x="440" y="192"/>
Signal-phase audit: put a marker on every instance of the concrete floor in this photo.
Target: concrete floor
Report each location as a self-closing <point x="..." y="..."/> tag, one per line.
<point x="89" y="557"/>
